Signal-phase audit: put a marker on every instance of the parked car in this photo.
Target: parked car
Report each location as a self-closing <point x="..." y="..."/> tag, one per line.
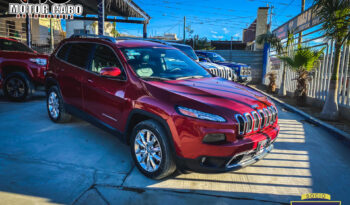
<point x="170" y="110"/>
<point x="21" y="69"/>
<point x="243" y="71"/>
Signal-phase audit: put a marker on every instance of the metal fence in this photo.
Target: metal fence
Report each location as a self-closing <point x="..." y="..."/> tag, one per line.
<point x="16" y="29"/>
<point x="320" y="77"/>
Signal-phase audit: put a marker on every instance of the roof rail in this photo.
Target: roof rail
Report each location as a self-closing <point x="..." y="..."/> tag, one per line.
<point x="107" y="38"/>
<point x="142" y="39"/>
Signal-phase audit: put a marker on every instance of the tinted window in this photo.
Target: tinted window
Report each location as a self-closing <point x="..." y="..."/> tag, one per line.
<point x="6" y="45"/>
<point x="79" y="54"/>
<point x="104" y="57"/>
<point x="188" y="51"/>
<point x="62" y="53"/>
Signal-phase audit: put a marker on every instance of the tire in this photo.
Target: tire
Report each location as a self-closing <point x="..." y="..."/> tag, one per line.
<point x="55" y="106"/>
<point x="18" y="87"/>
<point x="160" y="149"/>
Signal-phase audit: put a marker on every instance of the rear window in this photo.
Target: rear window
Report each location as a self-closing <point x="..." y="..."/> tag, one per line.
<point x="79" y="54"/>
<point x="6" y="45"/>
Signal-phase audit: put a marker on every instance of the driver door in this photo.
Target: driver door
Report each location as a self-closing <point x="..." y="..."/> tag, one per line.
<point x="104" y="96"/>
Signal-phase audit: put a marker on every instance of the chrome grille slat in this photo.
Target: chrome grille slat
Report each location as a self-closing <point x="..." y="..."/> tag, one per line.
<point x="257" y="120"/>
<point x="249" y="120"/>
<point x="263" y="118"/>
<point x="271" y="115"/>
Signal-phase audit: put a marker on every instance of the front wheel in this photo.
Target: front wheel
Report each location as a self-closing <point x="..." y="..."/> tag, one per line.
<point x="150" y="149"/>
<point x="18" y="87"/>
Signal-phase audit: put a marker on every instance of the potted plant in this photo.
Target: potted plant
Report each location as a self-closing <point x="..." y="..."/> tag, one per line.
<point x="271" y="88"/>
<point x="302" y="61"/>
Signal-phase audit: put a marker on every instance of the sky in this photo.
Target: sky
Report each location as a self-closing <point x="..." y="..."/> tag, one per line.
<point x="214" y="19"/>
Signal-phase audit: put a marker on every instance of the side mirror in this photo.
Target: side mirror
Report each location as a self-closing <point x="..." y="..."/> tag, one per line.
<point x="110" y="72"/>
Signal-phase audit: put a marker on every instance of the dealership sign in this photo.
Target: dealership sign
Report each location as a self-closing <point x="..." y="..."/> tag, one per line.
<point x="303" y="21"/>
<point x="41" y="9"/>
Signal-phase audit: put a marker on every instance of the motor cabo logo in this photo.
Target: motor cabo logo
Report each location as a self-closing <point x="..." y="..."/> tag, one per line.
<point x="45" y="9"/>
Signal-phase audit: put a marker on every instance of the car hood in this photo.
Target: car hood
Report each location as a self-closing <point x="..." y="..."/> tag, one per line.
<point x="216" y="93"/>
<point x="24" y="55"/>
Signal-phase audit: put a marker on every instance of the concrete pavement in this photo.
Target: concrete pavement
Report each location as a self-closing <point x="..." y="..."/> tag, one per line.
<point x="42" y="162"/>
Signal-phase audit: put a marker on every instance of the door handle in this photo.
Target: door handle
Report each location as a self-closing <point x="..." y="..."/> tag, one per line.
<point x="90" y="81"/>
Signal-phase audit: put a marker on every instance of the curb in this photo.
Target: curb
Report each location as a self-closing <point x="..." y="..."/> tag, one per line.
<point x="309" y="118"/>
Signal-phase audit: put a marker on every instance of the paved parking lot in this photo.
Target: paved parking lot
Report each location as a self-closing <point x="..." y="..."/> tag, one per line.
<point x="77" y="163"/>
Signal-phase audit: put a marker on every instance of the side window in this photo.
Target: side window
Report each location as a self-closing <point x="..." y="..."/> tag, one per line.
<point x="79" y="54"/>
<point x="62" y="53"/>
<point x="104" y="57"/>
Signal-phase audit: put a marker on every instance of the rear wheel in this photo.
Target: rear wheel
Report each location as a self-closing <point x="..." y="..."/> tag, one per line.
<point x="18" y="87"/>
<point x="55" y="106"/>
<point x="150" y="149"/>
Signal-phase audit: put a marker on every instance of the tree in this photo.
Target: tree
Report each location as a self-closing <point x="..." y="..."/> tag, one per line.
<point x="203" y="44"/>
<point x="272" y="39"/>
<point x="335" y="15"/>
<point x="275" y="42"/>
<point x="302" y="61"/>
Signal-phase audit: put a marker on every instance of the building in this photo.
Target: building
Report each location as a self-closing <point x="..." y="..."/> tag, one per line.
<point x="258" y="27"/>
<point x="228" y="45"/>
<point x="167" y="37"/>
<point x="87" y="27"/>
<point x="16" y="28"/>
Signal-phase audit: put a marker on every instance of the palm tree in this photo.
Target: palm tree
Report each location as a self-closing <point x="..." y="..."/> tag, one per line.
<point x="303" y="62"/>
<point x="335" y="15"/>
<point x="272" y="39"/>
<point x="275" y="42"/>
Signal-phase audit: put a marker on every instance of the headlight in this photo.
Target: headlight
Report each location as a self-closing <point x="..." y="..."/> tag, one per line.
<point x="199" y="115"/>
<point x="39" y="61"/>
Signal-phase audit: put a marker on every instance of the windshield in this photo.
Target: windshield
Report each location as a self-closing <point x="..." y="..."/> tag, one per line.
<point x="188" y="51"/>
<point x="216" y="57"/>
<point x="163" y="63"/>
<point x="6" y="45"/>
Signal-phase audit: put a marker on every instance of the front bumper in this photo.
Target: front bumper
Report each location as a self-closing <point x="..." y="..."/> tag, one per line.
<point x="206" y="164"/>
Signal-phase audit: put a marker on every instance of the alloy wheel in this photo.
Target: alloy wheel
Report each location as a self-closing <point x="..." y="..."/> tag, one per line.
<point x="53" y="104"/>
<point x="147" y="150"/>
<point x="15" y="87"/>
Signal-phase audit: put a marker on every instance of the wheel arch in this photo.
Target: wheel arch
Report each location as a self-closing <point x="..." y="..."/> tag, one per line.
<point x="136" y="116"/>
<point x="8" y="69"/>
<point x="50" y="82"/>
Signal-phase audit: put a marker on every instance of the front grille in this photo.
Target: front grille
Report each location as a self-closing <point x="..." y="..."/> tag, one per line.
<point x="256" y="120"/>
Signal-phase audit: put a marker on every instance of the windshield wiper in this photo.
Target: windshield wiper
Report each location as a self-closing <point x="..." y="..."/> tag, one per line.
<point x="190" y="77"/>
<point x="155" y="78"/>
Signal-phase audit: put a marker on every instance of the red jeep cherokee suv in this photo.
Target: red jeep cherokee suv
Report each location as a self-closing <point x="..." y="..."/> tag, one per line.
<point x="170" y="110"/>
<point x="21" y="69"/>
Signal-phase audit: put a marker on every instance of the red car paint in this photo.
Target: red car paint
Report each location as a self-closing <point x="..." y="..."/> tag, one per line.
<point x="114" y="101"/>
<point x="14" y="61"/>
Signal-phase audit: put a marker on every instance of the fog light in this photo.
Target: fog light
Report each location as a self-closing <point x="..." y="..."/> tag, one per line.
<point x="214" y="138"/>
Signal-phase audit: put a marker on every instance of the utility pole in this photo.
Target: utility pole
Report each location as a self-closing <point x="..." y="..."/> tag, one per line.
<point x="184" y="30"/>
<point x="51" y="36"/>
<point x="270" y="25"/>
<point x="101" y="17"/>
<point x="28" y="31"/>
<point x="301" y="33"/>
